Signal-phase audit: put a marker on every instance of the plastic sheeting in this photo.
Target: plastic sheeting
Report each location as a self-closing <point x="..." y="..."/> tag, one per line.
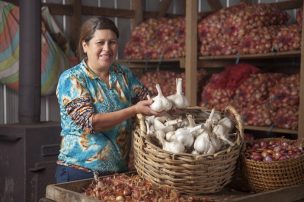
<point x="54" y="57"/>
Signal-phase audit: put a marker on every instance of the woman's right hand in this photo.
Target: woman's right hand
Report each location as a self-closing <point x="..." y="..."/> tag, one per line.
<point x="143" y="107"/>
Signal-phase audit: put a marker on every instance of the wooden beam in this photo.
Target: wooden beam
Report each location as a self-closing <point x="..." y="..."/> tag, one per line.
<point x="215" y="4"/>
<point x="75" y="23"/>
<point x="163" y="8"/>
<point x="137" y="6"/>
<point x="286" y="5"/>
<point x="301" y="93"/>
<point x="191" y="51"/>
<point x="59" y="9"/>
<point x="107" y="12"/>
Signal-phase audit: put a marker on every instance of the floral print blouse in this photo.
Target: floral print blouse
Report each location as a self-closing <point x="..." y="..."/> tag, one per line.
<point x="80" y="94"/>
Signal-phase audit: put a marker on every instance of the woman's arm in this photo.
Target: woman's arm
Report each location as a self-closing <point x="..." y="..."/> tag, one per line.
<point x="105" y="121"/>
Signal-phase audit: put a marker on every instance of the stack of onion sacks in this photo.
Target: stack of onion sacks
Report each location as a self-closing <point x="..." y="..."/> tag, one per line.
<point x="273" y="163"/>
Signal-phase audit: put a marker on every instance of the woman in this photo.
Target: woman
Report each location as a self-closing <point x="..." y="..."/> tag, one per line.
<point x="95" y="99"/>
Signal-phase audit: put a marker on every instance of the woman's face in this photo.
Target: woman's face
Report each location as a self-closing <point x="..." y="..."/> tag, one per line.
<point x="101" y="50"/>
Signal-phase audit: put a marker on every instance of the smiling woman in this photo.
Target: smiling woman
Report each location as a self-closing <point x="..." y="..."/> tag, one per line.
<point x="97" y="100"/>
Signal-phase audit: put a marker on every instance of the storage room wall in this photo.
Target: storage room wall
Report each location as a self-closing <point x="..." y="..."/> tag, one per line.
<point x="49" y="106"/>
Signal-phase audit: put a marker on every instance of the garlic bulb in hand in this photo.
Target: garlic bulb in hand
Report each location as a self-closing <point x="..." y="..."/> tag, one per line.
<point x="161" y="103"/>
<point x="178" y="99"/>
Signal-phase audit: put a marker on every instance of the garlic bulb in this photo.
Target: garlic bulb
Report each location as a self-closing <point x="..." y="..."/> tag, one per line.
<point x="174" y="146"/>
<point x="202" y="143"/>
<point x="178" y="99"/>
<point x="185" y="135"/>
<point x="161" y="103"/>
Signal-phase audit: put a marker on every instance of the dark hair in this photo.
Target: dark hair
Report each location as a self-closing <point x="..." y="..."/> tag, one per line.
<point x="89" y="27"/>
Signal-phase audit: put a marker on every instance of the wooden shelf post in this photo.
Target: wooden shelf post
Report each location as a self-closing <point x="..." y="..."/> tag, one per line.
<point x="301" y="93"/>
<point x="191" y="51"/>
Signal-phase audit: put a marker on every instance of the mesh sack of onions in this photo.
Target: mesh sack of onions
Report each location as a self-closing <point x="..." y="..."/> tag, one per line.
<point x="287" y="38"/>
<point x="273" y="163"/>
<point x="227" y="27"/>
<point x="255" y="89"/>
<point x="286" y="92"/>
<point x="220" y="90"/>
<point x="157" y="38"/>
<point x="286" y="117"/>
<point x="257" y="41"/>
<point x="257" y="115"/>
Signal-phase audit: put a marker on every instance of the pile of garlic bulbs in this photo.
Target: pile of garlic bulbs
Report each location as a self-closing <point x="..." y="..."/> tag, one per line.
<point x="181" y="133"/>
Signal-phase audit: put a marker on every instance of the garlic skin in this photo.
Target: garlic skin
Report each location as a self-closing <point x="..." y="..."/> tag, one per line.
<point x="170" y="136"/>
<point x="222" y="133"/>
<point x="160" y="102"/>
<point x="226" y="122"/>
<point x="178" y="99"/>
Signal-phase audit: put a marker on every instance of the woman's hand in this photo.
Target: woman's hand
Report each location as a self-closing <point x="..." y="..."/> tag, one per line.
<point x="143" y="107"/>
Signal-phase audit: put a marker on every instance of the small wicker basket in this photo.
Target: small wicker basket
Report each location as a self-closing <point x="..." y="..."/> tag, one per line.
<point x="187" y="173"/>
<point x="265" y="176"/>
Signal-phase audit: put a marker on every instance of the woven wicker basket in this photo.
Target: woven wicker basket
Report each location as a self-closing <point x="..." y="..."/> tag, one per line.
<point x="187" y="173"/>
<point x="264" y="176"/>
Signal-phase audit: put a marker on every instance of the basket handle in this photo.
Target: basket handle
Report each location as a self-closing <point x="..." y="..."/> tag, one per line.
<point x="239" y="123"/>
<point x="141" y="121"/>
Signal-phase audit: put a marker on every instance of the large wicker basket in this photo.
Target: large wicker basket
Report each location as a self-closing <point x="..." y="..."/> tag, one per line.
<point x="264" y="176"/>
<point x="187" y="173"/>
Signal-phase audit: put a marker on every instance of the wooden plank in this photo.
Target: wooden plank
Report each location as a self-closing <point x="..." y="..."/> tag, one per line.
<point x="286" y="5"/>
<point x="269" y="129"/>
<point x="137" y="6"/>
<point x="107" y="12"/>
<point x="215" y="4"/>
<point x="163" y="7"/>
<point x="59" y="9"/>
<point x="294" y="193"/>
<point x="301" y="104"/>
<point x="191" y="51"/>
<point x="75" y="21"/>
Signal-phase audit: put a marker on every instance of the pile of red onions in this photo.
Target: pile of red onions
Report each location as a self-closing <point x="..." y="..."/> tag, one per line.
<point x="157" y="38"/>
<point x="235" y="29"/>
<point x="287" y="38"/>
<point x="122" y="187"/>
<point x="286" y="117"/>
<point x="255" y="90"/>
<point x="271" y="150"/>
<point x="256" y="115"/>
<point x="299" y="16"/>
<point x="285" y="92"/>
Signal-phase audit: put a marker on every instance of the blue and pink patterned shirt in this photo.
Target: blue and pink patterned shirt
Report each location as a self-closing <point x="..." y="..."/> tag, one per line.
<point x="81" y="93"/>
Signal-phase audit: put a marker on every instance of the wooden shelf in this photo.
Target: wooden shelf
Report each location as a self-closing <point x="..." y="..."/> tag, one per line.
<point x="209" y="61"/>
<point x="270" y="129"/>
<point x="145" y="63"/>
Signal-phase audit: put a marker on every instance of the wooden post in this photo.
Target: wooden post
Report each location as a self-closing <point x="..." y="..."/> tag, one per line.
<point x="191" y="51"/>
<point x="75" y="23"/>
<point x="301" y="103"/>
<point x="137" y="6"/>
